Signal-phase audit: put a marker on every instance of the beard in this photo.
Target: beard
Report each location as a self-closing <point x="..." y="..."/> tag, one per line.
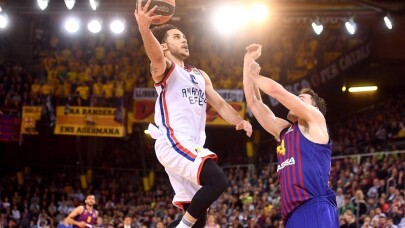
<point x="90" y="204"/>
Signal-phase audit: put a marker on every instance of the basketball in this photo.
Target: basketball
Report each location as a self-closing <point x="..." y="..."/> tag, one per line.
<point x="164" y="7"/>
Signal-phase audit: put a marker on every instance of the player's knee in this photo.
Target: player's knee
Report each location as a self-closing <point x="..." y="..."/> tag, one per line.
<point x="213" y="175"/>
<point x="222" y="181"/>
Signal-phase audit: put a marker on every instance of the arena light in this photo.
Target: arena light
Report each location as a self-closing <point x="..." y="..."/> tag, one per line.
<point x="317" y="26"/>
<point x="3" y="19"/>
<point x="344" y="88"/>
<point x="228" y="19"/>
<point x="72" y="25"/>
<point x="388" y="22"/>
<point x="117" y="26"/>
<point x="362" y="89"/>
<point x="259" y="12"/>
<point x="351" y="26"/>
<point x="43" y="4"/>
<point x="70" y="4"/>
<point x="94" y="4"/>
<point x="94" y="26"/>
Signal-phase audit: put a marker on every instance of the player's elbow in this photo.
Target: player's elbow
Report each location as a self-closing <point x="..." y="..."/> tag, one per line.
<point x="250" y="101"/>
<point x="253" y="102"/>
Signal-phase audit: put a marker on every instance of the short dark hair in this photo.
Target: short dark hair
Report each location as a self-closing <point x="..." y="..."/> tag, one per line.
<point x="317" y="101"/>
<point x="160" y="32"/>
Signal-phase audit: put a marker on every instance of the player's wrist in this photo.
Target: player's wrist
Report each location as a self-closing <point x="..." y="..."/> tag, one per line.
<point x="144" y="29"/>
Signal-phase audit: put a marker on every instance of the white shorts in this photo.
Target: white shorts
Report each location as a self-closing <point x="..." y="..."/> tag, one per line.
<point x="183" y="163"/>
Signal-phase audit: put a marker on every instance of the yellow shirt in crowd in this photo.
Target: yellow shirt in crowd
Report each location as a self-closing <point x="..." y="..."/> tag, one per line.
<point x="108" y="90"/>
<point x="35" y="88"/>
<point x="119" y="89"/>
<point x="66" y="88"/>
<point x="83" y="92"/>
<point x="98" y="89"/>
<point x="46" y="89"/>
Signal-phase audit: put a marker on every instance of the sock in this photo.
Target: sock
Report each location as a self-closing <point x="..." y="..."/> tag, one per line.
<point x="185" y="223"/>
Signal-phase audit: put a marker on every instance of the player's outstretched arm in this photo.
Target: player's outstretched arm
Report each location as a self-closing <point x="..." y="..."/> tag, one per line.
<point x="152" y="46"/>
<point x="224" y="109"/>
<point x="293" y="103"/>
<point x="263" y="114"/>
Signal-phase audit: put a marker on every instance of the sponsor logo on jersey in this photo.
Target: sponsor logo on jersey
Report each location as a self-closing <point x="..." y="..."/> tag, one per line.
<point x="194" y="95"/>
<point x="286" y="163"/>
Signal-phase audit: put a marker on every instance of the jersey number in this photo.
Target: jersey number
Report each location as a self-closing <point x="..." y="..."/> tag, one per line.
<point x="88" y="219"/>
<point x="281" y="148"/>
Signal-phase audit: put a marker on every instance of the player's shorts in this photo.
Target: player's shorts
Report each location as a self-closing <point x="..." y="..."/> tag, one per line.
<point x="183" y="163"/>
<point x="316" y="213"/>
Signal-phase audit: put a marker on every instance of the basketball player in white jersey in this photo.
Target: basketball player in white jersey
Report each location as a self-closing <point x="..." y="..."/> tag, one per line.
<point x="180" y="115"/>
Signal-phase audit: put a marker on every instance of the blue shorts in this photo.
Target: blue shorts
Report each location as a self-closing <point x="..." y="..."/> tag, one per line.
<point x="316" y="213"/>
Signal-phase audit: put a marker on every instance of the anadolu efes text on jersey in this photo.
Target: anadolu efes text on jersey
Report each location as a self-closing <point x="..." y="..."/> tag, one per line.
<point x="194" y="95"/>
<point x="180" y="110"/>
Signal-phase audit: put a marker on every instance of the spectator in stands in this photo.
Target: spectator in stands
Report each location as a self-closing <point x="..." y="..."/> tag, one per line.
<point x="211" y="223"/>
<point x="359" y="204"/>
<point x="340" y="198"/>
<point x="83" y="94"/>
<point x="97" y="92"/>
<point x="348" y="220"/>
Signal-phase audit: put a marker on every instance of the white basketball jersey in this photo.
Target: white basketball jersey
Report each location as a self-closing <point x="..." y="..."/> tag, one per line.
<point x="180" y="109"/>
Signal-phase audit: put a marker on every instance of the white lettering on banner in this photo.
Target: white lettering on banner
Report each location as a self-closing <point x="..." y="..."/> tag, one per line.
<point x="231" y="94"/>
<point x="145" y="93"/>
<point x="286" y="163"/>
<point x="354" y="57"/>
<point x="328" y="73"/>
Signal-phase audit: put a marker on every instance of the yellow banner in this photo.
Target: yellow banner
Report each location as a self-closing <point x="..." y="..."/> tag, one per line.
<point x="144" y="112"/>
<point x="89" y="121"/>
<point x="30" y="116"/>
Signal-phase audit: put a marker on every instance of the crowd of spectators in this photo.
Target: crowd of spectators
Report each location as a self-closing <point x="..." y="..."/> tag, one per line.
<point x="370" y="193"/>
<point x="103" y="69"/>
<point x="379" y="128"/>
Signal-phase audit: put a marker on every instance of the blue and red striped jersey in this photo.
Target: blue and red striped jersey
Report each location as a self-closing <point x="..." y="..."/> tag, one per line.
<point x="303" y="170"/>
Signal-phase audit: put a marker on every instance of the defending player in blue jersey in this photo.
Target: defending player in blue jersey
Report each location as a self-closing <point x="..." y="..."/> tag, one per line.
<point x="304" y="150"/>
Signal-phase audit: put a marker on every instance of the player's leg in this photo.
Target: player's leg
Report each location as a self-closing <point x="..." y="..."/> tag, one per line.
<point x="214" y="182"/>
<point x="194" y="176"/>
<point x="199" y="224"/>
